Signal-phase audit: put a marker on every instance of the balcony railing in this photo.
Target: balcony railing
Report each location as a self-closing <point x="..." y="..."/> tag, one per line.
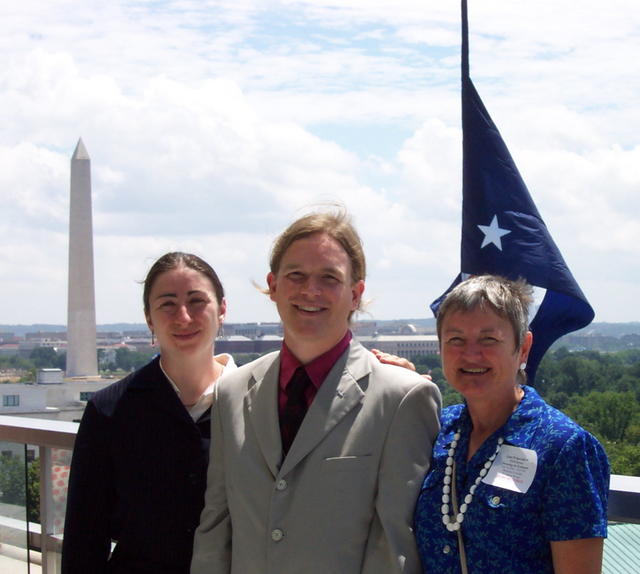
<point x="35" y="546"/>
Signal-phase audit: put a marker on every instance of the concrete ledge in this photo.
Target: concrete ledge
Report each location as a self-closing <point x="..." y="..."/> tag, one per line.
<point x="624" y="499"/>
<point x="40" y="432"/>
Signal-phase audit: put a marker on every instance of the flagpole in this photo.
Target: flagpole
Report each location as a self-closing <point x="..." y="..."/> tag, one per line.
<point x="465" y="41"/>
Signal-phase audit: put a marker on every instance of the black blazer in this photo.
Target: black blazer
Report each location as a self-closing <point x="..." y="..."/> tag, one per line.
<point x="138" y="476"/>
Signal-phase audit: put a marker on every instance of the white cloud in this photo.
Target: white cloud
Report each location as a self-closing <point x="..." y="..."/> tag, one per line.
<point x="202" y="122"/>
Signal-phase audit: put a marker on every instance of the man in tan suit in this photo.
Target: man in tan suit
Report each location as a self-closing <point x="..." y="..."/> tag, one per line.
<point x="318" y="451"/>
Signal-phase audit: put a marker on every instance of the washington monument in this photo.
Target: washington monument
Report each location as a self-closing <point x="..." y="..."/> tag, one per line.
<point x="81" y="320"/>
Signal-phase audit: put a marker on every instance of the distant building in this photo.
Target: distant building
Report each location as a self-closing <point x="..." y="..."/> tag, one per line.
<point x="241" y="344"/>
<point x="63" y="401"/>
<point x="142" y="345"/>
<point x="108" y="337"/>
<point x="6" y="337"/>
<point x="364" y="328"/>
<point x="46" y="336"/>
<point x="108" y="352"/>
<point x="406" y="346"/>
<point x="396" y="327"/>
<point x="26" y="347"/>
<point x="22" y="399"/>
<point x="146" y="334"/>
<point x="9" y="349"/>
<point x="252" y="330"/>
<point x="408" y="329"/>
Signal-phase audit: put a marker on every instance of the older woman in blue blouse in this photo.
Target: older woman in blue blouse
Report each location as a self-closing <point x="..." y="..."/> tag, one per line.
<point x="515" y="485"/>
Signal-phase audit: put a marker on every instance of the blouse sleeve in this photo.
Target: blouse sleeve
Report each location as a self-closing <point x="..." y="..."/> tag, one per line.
<point x="577" y="489"/>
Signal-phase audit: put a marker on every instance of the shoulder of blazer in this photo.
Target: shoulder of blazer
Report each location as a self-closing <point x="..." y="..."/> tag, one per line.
<point x="255" y="370"/>
<point x="361" y="362"/>
<point x="392" y="377"/>
<point x="148" y="377"/>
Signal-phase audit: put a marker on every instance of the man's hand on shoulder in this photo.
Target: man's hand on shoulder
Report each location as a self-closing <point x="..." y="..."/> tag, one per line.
<point x="389" y="359"/>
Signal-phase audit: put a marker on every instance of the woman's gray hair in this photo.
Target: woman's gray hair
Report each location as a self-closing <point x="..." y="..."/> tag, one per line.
<point x="507" y="299"/>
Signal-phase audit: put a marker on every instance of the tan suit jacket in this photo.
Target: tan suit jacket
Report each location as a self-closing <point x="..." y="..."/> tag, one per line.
<point x="342" y="500"/>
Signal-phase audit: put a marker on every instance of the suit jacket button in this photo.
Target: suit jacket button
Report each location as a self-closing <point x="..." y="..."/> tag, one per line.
<point x="277" y="535"/>
<point x="281" y="484"/>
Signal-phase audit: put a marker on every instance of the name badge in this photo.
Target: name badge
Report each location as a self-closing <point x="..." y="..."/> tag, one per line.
<point x="514" y="469"/>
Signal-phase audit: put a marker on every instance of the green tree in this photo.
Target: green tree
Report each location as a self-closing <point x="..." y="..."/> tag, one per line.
<point x="547" y="373"/>
<point x="15" y="362"/>
<point x="608" y="414"/>
<point x="624" y="458"/>
<point x="44" y="358"/>
<point x="631" y="357"/>
<point x="425" y="363"/>
<point x="62" y="361"/>
<point x="244" y="358"/>
<point x="451" y="397"/>
<point x="129" y="360"/>
<point x="28" y="376"/>
<point x="558" y="399"/>
<point x="633" y="432"/>
<point x="561" y="353"/>
<point x="12" y="489"/>
<point x="33" y="487"/>
<point x="437" y="376"/>
<point x="580" y="375"/>
<point x="628" y="382"/>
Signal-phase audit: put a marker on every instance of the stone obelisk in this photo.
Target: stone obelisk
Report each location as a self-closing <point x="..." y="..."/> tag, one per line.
<point x="82" y="357"/>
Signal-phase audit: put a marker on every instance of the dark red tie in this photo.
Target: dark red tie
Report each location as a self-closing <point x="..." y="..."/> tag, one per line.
<point x="295" y="408"/>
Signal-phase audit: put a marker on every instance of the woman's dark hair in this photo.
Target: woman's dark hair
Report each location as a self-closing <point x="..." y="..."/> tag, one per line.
<point x="176" y="259"/>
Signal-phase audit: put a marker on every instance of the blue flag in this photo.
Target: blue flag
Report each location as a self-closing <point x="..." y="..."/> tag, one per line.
<point x="502" y="231"/>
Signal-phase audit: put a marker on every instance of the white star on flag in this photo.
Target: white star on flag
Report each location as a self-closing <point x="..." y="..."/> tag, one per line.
<point x="493" y="233"/>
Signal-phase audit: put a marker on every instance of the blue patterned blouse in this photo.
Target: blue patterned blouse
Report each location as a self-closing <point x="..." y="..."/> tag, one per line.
<point x="507" y="531"/>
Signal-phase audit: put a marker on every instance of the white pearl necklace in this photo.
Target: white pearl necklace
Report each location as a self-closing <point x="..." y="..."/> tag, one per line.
<point x="453" y="522"/>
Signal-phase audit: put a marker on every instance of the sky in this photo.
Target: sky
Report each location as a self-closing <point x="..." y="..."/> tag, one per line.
<point x="212" y="124"/>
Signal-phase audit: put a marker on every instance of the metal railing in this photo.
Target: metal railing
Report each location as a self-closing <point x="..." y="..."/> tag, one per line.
<point x="50" y="441"/>
<point x="624" y="499"/>
<point x="51" y="437"/>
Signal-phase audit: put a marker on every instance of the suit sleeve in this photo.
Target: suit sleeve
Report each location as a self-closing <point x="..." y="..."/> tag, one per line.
<point x="391" y="546"/>
<point x="90" y="498"/>
<point x="212" y="541"/>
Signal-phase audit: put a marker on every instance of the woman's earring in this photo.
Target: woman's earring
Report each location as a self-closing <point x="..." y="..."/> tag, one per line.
<point x="523" y="366"/>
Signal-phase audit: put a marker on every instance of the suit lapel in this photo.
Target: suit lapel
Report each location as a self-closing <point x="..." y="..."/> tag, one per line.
<point x="262" y="404"/>
<point x="338" y="395"/>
